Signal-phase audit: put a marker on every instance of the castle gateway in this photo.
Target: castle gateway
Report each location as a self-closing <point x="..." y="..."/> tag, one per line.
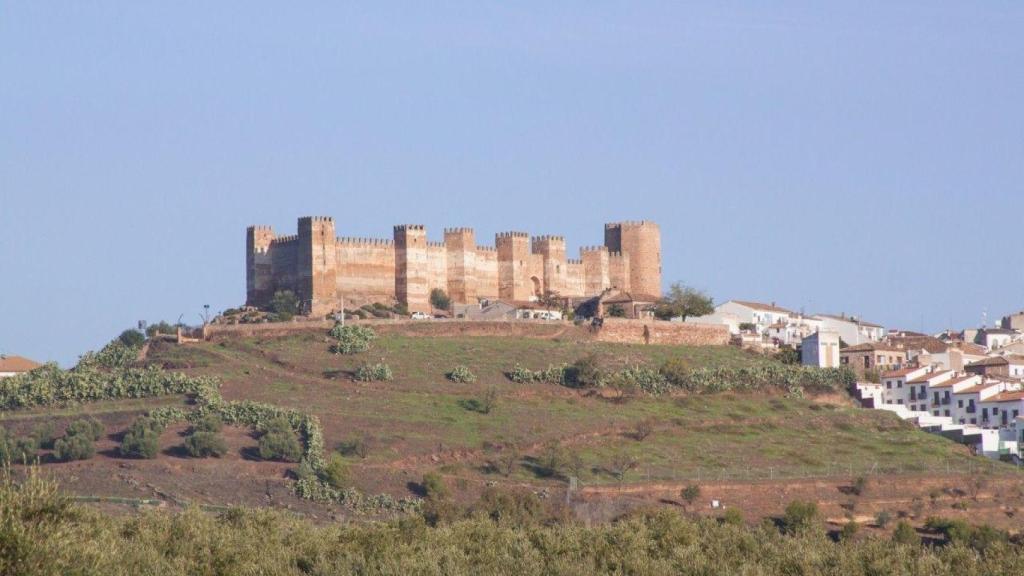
<point x="327" y="272"/>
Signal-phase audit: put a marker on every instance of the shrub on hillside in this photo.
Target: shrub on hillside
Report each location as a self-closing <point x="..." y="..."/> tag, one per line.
<point x="16" y="450"/>
<point x="800" y="517"/>
<point x="639" y="378"/>
<point x="462" y="375"/>
<point x="284" y="305"/>
<point x="352" y="339"/>
<point x="905" y="534"/>
<point x="88" y="427"/>
<point x="763" y="377"/>
<point x="142" y="440"/>
<point x="335" y="473"/>
<point x="551" y="375"/>
<point x="433" y="486"/>
<point x="279" y="442"/>
<point x="132" y="338"/>
<point x="584" y="373"/>
<point x="77" y="447"/>
<point x="379" y="372"/>
<point x="204" y="444"/>
<point x="45" y="434"/>
<point x="208" y="423"/>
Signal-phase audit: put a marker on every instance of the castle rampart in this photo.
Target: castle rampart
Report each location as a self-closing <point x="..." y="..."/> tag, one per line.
<point x="328" y="273"/>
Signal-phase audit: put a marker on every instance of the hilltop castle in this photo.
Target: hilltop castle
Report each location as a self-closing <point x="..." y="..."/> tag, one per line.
<point x="327" y="272"/>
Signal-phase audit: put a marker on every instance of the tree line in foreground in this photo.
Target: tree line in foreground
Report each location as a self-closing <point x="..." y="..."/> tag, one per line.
<point x="43" y="532"/>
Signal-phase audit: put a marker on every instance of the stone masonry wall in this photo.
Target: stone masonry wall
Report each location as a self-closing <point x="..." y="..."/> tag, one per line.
<point x="327" y="273"/>
<point x="615" y="330"/>
<point x="659" y="332"/>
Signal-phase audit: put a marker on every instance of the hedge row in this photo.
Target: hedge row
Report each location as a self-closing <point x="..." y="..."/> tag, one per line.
<point x="677" y="375"/>
<point x="106" y="375"/>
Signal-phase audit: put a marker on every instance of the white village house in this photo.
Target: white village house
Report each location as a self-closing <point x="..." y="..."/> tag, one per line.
<point x="821" y="349"/>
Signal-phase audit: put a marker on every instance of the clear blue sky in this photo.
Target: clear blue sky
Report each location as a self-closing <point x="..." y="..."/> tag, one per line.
<point x="859" y="157"/>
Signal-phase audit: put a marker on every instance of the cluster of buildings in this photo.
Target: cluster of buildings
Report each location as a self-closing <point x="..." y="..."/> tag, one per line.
<point x="967" y="385"/>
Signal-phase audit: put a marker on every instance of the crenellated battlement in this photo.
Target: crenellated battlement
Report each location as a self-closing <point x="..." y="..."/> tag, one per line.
<point x="352" y="241"/>
<point x="410" y="227"/>
<point x="326" y="275"/>
<point x="629" y="224"/>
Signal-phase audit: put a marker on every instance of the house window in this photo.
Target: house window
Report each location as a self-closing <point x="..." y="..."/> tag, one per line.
<point x="900" y="401"/>
<point x="1016" y="413"/>
<point x="974" y="420"/>
<point x="945" y="412"/>
<point x="935" y="413"/>
<point x="995" y="411"/>
<point x="888" y="384"/>
<point x="959" y="403"/>
<point x="899" y="383"/>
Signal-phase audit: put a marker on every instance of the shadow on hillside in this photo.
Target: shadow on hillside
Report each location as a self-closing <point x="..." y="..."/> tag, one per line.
<point x="339" y="374"/>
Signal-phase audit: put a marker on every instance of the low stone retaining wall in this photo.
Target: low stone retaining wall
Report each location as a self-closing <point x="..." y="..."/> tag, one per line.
<point x="618" y="330"/>
<point x="658" y="332"/>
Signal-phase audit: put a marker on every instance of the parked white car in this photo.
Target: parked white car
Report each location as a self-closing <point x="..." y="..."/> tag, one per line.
<point x="420" y="316"/>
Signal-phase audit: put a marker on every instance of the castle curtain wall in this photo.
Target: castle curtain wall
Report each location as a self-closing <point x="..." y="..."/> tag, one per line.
<point x="327" y="273"/>
<point x="366" y="271"/>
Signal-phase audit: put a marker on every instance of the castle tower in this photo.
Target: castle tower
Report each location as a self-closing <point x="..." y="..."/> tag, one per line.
<point x="513" y="253"/>
<point x="317" y="265"/>
<point x="618" y="271"/>
<point x="460" y="244"/>
<point x="595" y="269"/>
<point x="641" y="241"/>
<point x="552" y="250"/>
<point x="259" y="277"/>
<point x="411" y="279"/>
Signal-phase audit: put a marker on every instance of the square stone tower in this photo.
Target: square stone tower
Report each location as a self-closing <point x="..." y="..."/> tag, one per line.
<point x="317" y="265"/>
<point x="411" y="267"/>
<point x="259" y="274"/>
<point x="552" y="250"/>
<point x="513" y="257"/>
<point x="460" y="243"/>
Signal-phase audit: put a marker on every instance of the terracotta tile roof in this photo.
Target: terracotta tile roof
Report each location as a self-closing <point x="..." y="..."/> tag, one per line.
<point x="760" y="306"/>
<point x="953" y="381"/>
<point x="871" y="346"/>
<point x="899" y="373"/>
<point x="17" y="364"/>
<point x="1010" y="396"/>
<point x="970" y="348"/>
<point x="920" y="342"/>
<point x="849" y="319"/>
<point x="927" y="377"/>
<point x="977" y="388"/>
<point x="629" y="297"/>
<point x="991" y="361"/>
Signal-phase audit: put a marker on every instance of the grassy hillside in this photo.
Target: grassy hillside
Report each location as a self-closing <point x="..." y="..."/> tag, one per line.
<point x="422" y="421"/>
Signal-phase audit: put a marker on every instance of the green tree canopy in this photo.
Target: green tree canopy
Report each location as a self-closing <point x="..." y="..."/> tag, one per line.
<point x="285" y="304"/>
<point x="439" y="299"/>
<point x="683" y="302"/>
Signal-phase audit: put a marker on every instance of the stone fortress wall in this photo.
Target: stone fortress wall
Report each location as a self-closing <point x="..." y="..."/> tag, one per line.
<point x="328" y="273"/>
